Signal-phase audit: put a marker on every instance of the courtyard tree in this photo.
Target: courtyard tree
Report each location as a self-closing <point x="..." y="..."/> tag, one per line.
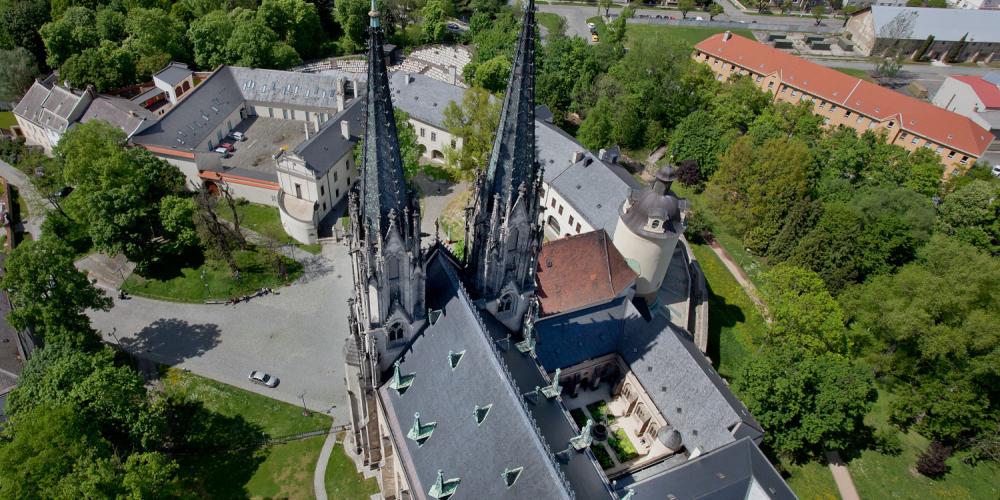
<point x="50" y="295"/>
<point x="474" y="122"/>
<point x="606" y="5"/>
<point x="809" y="403"/>
<point x="817" y="13"/>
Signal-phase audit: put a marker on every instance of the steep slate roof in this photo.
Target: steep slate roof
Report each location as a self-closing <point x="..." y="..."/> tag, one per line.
<point x="913" y="115"/>
<point x="119" y="112"/>
<point x="476" y="454"/>
<point x="945" y="24"/>
<point x="424" y="98"/>
<point x="988" y="92"/>
<point x="309" y="91"/>
<point x="580" y="270"/>
<point x="737" y="470"/>
<point x="49" y="104"/>
<point x="667" y="363"/>
<point x="325" y="148"/>
<point x="173" y="74"/>
<point x="594" y="189"/>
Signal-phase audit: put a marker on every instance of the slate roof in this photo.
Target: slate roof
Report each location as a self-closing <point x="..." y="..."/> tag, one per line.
<point x="122" y="113"/>
<point x="476" y="454"/>
<point x="287" y="88"/>
<point x="49" y="104"/>
<point x="667" y="363"/>
<point x="913" y="115"/>
<point x="424" y="98"/>
<point x="173" y="74"/>
<point x="580" y="270"/>
<point x="594" y="190"/>
<point x="325" y="148"/>
<point x="737" y="470"/>
<point x="947" y="25"/>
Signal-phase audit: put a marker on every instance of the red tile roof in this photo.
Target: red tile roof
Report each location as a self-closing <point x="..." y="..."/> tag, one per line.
<point x="579" y="271"/>
<point x="988" y="92"/>
<point x="915" y="116"/>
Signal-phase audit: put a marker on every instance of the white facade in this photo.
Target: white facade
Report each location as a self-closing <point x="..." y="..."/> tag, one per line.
<point x="648" y="257"/>
<point x="434" y="139"/>
<point x="958" y="96"/>
<point x="561" y="218"/>
<point x="975" y="4"/>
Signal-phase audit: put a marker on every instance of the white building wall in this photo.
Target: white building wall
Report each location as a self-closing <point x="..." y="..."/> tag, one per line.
<point x="35" y="135"/>
<point x="254" y="194"/>
<point x="433" y="139"/>
<point x="560" y="211"/>
<point x="221" y="130"/>
<point x="959" y="97"/>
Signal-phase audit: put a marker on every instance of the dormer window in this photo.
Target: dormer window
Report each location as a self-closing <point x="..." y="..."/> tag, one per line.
<point x="655" y="224"/>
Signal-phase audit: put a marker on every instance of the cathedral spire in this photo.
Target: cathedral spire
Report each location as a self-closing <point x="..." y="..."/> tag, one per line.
<point x="503" y="234"/>
<point x="383" y="187"/>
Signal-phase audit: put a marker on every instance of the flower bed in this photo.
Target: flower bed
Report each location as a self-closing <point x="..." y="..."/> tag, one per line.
<point x="622" y="445"/>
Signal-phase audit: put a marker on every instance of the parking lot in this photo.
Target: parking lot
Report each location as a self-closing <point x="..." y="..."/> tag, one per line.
<point x="265" y="137"/>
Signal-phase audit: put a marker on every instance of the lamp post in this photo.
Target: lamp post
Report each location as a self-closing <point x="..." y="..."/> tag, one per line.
<point x="305" y="412"/>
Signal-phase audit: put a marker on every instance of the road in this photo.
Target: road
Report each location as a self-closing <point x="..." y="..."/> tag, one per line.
<point x="37" y="205"/>
<point x="928" y="75"/>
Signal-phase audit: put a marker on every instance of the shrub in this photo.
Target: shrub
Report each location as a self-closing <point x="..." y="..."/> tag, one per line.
<point x="688" y="175"/>
<point x="697" y="229"/>
<point x="931" y="462"/>
<point x="624" y="449"/>
<point x="887" y="441"/>
<point x="602" y="455"/>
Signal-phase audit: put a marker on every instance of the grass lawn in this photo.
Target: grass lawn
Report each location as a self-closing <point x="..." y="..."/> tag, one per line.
<point x="658" y="33"/>
<point x="258" y="270"/>
<point x="811" y="481"/>
<point x="857" y="73"/>
<point x="7" y="119"/>
<point x="622" y="446"/>
<point x="548" y="20"/>
<point x="266" y="221"/>
<point x="278" y="471"/>
<point x="880" y="475"/>
<point x="343" y="481"/>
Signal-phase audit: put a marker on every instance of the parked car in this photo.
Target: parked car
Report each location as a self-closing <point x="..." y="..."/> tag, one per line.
<point x="239" y="136"/>
<point x="996" y="170"/>
<point x="592" y="26"/>
<point x="259" y="377"/>
<point x="227" y="145"/>
<point x="222" y="151"/>
<point x="593" y="38"/>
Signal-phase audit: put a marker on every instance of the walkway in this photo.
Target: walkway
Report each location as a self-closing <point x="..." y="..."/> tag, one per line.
<point x="741" y="277"/>
<point x="37" y="205"/>
<point x="319" y="477"/>
<point x="842" y="476"/>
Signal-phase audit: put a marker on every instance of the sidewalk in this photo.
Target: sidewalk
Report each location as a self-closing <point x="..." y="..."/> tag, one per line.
<point x="741" y="277"/>
<point x="842" y="477"/>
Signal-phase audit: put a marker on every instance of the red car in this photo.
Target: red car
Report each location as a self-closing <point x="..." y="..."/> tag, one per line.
<point x="228" y="145"/>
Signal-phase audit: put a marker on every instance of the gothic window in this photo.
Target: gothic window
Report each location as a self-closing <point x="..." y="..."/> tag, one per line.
<point x="395" y="331"/>
<point x="506" y="303"/>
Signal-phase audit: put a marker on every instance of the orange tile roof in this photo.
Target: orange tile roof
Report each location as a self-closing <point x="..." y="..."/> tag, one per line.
<point x="915" y="116"/>
<point x="988" y="92"/>
<point x="579" y="271"/>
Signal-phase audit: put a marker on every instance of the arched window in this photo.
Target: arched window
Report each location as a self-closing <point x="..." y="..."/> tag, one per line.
<point x="554" y="224"/>
<point x="506" y="303"/>
<point x="395" y="331"/>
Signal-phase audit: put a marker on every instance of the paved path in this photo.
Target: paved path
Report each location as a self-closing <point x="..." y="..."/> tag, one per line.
<point x="741" y="277"/>
<point x="319" y="477"/>
<point x="297" y="335"/>
<point x="842" y="476"/>
<point x="37" y="205"/>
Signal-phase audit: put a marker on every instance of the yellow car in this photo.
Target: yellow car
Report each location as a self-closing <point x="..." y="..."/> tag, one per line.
<point x="593" y="38"/>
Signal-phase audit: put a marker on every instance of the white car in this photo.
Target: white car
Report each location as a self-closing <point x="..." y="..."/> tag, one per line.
<point x="239" y="136"/>
<point x="264" y="379"/>
<point x="996" y="170"/>
<point x="591" y="25"/>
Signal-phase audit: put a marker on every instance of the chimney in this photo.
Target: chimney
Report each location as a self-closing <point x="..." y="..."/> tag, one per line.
<point x="354" y="88"/>
<point x="340" y="101"/>
<point x="577" y="156"/>
<point x="603" y="154"/>
<point x="727" y="35"/>
<point x="306" y="124"/>
<point x="452" y="75"/>
<point x="345" y="129"/>
<point x="406" y="78"/>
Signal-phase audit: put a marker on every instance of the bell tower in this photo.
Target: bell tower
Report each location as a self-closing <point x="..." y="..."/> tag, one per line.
<point x="503" y="233"/>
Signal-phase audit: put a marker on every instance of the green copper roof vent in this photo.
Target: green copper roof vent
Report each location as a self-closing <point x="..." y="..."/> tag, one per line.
<point x="481" y="412"/>
<point x="510" y="475"/>
<point x="454" y="358"/>
<point x="400" y="382"/>
<point x="442" y="489"/>
<point x="582" y="441"/>
<point x="629" y="493"/>
<point x="552" y="390"/>
<point x="420" y="432"/>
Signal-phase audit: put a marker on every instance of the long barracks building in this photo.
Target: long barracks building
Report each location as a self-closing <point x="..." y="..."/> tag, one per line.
<point x="846" y="100"/>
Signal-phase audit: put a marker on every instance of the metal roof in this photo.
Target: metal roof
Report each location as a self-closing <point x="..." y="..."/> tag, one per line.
<point x="173" y="74"/>
<point x="424" y="98"/>
<point x="325" y="148"/>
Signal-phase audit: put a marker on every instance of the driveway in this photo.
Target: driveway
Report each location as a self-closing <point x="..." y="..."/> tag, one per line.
<point x="297" y="335"/>
<point x="37" y="206"/>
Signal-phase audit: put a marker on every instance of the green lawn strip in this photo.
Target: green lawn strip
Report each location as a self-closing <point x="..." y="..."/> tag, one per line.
<point x="857" y="73"/>
<point x="601" y="412"/>
<point x="733" y="321"/>
<point x="658" y="33"/>
<point x="811" y="480"/>
<point x="276" y="418"/>
<point x="266" y="221"/>
<point x="881" y="475"/>
<point x="622" y="446"/>
<point x="548" y="20"/>
<point x="287" y="471"/>
<point x="343" y="481"/>
<point x="7" y="119"/>
<point x="258" y="270"/>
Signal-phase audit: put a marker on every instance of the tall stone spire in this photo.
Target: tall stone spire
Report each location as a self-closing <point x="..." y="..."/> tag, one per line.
<point x="385" y="228"/>
<point x="503" y="231"/>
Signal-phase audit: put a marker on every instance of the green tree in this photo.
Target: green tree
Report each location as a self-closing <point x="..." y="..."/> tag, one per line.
<point x="566" y="66"/>
<point x="283" y="56"/>
<point x="596" y="128"/>
<point x="296" y="22"/>
<point x="738" y="104"/>
<point x="817" y="13"/>
<point x="935" y="328"/>
<point x="208" y="36"/>
<point x="106" y="67"/>
<point x="111" y="25"/>
<point x="251" y="44"/>
<point x="685" y="6"/>
<point x="352" y="16"/>
<point x="808" y="403"/>
<point x="714" y="10"/>
<point x="74" y="32"/>
<point x="409" y="149"/>
<point x="606" y="5"/>
<point x="177" y="217"/>
<point x="50" y="295"/>
<point x="474" y="123"/>
<point x="156" y="38"/>
<point x="972" y="214"/>
<point x="20" y="22"/>
<point x="698" y="137"/>
<point x="432" y="25"/>
<point x="803" y="311"/>
<point x="150" y="475"/>
<point x="19" y="73"/>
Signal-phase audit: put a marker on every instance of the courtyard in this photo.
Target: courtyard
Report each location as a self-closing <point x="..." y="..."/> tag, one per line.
<point x="265" y="137"/>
